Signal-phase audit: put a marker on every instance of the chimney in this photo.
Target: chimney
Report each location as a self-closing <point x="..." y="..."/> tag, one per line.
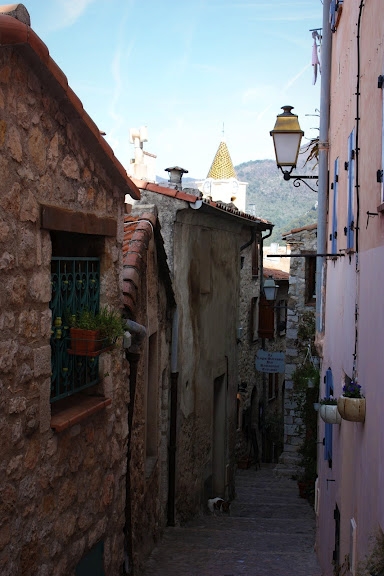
<point x="17" y="11"/>
<point x="175" y="176"/>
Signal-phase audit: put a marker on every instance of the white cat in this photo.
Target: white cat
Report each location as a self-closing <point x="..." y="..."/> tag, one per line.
<point x="218" y="505"/>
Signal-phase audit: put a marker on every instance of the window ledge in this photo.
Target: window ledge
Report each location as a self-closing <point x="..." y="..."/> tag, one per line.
<point x="381" y="208"/>
<point x="73" y="410"/>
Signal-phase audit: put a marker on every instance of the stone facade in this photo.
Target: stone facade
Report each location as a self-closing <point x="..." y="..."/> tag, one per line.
<point x="148" y="297"/>
<point x="301" y="278"/>
<point x="63" y="492"/>
<point x="203" y="249"/>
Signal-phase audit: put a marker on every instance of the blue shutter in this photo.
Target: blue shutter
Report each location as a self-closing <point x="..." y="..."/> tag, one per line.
<point x="334" y="216"/>
<point x="328" y="427"/>
<point x="332" y="15"/>
<point x="351" y="178"/>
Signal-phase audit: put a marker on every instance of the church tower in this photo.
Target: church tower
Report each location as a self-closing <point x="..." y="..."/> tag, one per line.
<point x="222" y="184"/>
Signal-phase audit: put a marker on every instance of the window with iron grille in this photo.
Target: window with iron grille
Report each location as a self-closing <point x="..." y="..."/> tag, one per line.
<point x="75" y="287"/>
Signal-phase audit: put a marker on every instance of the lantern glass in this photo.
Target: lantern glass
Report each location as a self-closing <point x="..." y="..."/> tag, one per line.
<point x="270" y="289"/>
<point x="287" y="136"/>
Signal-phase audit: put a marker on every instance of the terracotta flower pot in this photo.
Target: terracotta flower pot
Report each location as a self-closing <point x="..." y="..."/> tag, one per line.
<point x="351" y="409"/>
<point x="85" y="342"/>
<point x="329" y="413"/>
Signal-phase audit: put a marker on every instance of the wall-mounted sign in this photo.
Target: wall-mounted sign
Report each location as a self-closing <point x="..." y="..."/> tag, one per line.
<point x="270" y="361"/>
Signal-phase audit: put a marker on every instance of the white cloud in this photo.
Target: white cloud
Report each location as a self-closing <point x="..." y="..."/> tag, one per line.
<point x="72" y="10"/>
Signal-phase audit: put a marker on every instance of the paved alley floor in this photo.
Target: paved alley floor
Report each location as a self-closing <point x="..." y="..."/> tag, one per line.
<point x="270" y="532"/>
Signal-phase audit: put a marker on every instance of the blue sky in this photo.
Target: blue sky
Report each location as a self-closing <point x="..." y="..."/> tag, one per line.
<point x="185" y="67"/>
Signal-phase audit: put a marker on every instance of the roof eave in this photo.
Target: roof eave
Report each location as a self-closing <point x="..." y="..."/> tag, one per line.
<point x="20" y="36"/>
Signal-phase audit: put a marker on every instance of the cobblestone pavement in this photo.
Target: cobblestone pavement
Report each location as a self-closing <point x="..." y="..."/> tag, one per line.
<point x="270" y="532"/>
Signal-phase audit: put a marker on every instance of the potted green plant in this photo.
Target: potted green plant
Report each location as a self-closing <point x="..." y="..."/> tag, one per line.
<point x="351" y="404"/>
<point x="91" y="333"/>
<point x="328" y="410"/>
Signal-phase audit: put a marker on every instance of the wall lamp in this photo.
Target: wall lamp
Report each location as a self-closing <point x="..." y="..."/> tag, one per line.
<point x="287" y="136"/>
<point x="270" y="289"/>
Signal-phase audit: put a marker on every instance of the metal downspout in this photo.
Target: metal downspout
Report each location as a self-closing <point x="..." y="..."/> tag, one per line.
<point x="173" y="422"/>
<point x="323" y="168"/>
<point x="133" y="355"/>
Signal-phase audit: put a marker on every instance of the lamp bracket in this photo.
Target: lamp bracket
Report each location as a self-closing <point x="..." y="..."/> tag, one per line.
<point x="298" y="179"/>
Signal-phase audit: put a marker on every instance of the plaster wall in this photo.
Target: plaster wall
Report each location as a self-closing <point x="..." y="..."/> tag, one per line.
<point x="354" y="290"/>
<point x="207" y="290"/>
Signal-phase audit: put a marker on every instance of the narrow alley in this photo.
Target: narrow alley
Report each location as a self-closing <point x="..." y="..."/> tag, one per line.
<point x="270" y="532"/>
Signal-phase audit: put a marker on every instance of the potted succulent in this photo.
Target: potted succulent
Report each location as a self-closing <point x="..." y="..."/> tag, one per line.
<point x="351" y="404"/>
<point x="328" y="410"/>
<point x="92" y="333"/>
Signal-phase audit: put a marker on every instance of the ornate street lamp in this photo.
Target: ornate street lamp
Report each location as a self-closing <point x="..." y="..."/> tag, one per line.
<point x="270" y="289"/>
<point x="287" y="136"/>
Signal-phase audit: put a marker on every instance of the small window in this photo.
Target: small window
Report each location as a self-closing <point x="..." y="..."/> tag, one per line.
<point x="75" y="287"/>
<point x="266" y="319"/>
<point x="310" y="280"/>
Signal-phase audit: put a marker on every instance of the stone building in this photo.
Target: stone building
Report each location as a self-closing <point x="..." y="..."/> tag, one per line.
<point x="263" y="328"/>
<point x="301" y="299"/>
<point x="203" y="242"/>
<point x="63" y="418"/>
<point x="149" y="302"/>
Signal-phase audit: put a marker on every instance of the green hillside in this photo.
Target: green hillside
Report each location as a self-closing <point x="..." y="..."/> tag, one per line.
<point x="270" y="196"/>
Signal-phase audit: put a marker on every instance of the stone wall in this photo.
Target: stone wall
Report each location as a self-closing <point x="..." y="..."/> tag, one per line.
<point x="60" y="493"/>
<point x="301" y="240"/>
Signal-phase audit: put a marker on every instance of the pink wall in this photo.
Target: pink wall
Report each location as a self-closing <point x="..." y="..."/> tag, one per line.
<point x="354" y="282"/>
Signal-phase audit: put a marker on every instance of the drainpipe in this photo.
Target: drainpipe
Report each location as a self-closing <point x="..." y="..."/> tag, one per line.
<point x="173" y="422"/>
<point x="261" y="256"/>
<point x="132" y="354"/>
<point x="326" y="48"/>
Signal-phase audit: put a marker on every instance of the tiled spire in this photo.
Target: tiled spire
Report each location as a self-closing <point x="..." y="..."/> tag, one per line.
<point x="222" y="167"/>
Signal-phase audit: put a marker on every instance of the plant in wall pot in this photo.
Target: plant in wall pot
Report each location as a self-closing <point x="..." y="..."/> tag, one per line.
<point x="92" y="333"/>
<point x="351" y="404"/>
<point x="328" y="410"/>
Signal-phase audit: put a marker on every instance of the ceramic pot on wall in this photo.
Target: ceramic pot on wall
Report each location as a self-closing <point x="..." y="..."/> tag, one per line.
<point x="351" y="409"/>
<point x="329" y="413"/>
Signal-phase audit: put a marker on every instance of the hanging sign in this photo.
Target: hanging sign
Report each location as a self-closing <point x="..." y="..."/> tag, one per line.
<point x="270" y="361"/>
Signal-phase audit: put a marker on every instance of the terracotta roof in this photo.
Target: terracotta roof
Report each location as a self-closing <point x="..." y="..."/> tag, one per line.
<point x="276" y="274"/>
<point x="296" y="230"/>
<point x="222" y="167"/>
<point x="20" y="36"/>
<point x="219" y="207"/>
<point x="138" y="231"/>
